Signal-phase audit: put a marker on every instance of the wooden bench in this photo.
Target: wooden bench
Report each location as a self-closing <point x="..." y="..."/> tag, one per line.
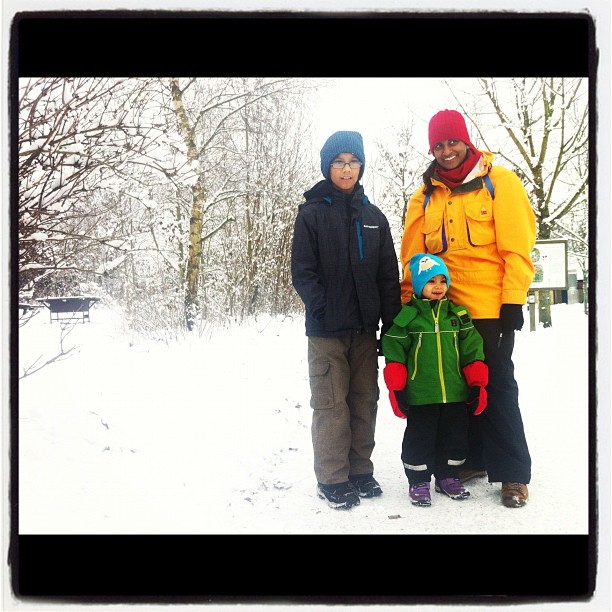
<point x="25" y="307"/>
<point x="73" y="308"/>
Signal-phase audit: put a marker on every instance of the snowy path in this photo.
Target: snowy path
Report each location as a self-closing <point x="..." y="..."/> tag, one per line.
<point x="213" y="436"/>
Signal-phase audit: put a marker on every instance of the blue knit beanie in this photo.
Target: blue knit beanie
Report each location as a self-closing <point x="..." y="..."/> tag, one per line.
<point x="342" y="142"/>
<point x="423" y="267"/>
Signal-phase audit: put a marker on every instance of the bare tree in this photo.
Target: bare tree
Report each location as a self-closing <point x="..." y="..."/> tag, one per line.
<point x="399" y="167"/>
<point x="174" y="196"/>
<point x="222" y="122"/>
<point x="76" y="139"/>
<point x="546" y="123"/>
<point x="276" y="159"/>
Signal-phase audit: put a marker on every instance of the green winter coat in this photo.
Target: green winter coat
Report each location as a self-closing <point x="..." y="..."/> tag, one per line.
<point x="435" y="342"/>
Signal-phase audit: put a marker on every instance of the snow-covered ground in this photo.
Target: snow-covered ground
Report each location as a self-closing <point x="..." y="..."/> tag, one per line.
<point x="212" y="435"/>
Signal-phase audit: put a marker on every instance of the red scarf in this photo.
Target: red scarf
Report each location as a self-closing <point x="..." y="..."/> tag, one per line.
<point x="456" y="176"/>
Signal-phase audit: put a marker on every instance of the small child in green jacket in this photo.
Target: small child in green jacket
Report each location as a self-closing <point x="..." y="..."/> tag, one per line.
<point x="435" y="372"/>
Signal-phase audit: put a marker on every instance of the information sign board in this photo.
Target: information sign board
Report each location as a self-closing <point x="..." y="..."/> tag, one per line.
<point x="550" y="262"/>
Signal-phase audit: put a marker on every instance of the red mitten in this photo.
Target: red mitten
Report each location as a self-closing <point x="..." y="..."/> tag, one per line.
<point x="395" y="375"/>
<point x="477" y="377"/>
<point x="476" y="373"/>
<point x="478" y="398"/>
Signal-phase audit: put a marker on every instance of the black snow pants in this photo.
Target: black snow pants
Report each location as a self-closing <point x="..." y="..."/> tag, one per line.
<point x="497" y="439"/>
<point x="435" y="441"/>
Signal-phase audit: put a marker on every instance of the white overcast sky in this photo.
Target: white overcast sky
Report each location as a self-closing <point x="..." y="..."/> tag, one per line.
<point x="374" y="105"/>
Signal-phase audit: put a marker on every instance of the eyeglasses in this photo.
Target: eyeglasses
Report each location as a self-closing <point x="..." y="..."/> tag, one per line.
<point x="338" y="164"/>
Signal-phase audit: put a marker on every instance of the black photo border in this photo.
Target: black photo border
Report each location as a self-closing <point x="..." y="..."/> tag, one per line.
<point x="303" y="569"/>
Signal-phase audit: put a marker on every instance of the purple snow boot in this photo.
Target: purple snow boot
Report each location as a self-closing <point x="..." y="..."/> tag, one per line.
<point x="452" y="487"/>
<point x="419" y="494"/>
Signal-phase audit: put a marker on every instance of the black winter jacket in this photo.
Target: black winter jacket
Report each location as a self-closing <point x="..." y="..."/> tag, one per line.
<point x="343" y="263"/>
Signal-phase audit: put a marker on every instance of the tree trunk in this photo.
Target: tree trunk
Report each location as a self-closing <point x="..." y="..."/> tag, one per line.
<point x="195" y="220"/>
<point x="195" y="256"/>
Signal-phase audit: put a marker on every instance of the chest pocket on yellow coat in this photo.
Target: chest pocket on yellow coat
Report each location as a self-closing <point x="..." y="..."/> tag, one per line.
<point x="480" y="222"/>
<point x="435" y="235"/>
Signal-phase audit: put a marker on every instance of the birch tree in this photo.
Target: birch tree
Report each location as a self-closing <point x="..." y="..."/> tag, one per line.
<point x="219" y="127"/>
<point x="176" y="195"/>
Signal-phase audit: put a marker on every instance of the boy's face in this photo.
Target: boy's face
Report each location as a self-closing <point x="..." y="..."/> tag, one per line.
<point x="435" y="288"/>
<point x="346" y="177"/>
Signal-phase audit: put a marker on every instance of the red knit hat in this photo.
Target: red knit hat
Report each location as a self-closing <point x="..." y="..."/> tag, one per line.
<point x="447" y="125"/>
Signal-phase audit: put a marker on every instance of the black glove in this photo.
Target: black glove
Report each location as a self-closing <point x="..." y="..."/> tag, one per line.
<point x="402" y="404"/>
<point x="384" y="329"/>
<point x="511" y="317"/>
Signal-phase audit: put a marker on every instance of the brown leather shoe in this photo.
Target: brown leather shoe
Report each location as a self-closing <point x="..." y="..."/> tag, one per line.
<point x="470" y="474"/>
<point x="514" y="494"/>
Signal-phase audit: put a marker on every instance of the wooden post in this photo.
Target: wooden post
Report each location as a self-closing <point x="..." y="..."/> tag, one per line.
<point x="544" y="308"/>
<point x="531" y="299"/>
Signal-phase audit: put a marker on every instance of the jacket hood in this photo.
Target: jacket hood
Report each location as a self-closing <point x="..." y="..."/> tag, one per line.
<point x="487" y="158"/>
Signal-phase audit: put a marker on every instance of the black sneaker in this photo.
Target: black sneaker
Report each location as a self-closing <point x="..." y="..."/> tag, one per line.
<point x="341" y="496"/>
<point x="366" y="485"/>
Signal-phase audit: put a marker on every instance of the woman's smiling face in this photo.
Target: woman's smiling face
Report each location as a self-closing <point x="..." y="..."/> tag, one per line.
<point x="450" y="153"/>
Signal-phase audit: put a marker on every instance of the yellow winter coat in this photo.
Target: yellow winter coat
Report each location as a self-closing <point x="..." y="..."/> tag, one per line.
<point x="485" y="242"/>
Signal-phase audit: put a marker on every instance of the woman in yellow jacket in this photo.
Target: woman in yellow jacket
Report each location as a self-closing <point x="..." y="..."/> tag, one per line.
<point x="478" y="219"/>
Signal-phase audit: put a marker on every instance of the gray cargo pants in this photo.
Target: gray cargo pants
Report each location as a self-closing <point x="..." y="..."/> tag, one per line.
<point x="343" y="375"/>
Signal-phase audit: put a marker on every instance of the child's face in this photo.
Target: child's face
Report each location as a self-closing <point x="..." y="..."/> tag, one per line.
<point x="345" y="178"/>
<point x="435" y="288"/>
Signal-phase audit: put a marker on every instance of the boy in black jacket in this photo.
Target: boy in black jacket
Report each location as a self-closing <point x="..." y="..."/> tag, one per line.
<point x="345" y="269"/>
